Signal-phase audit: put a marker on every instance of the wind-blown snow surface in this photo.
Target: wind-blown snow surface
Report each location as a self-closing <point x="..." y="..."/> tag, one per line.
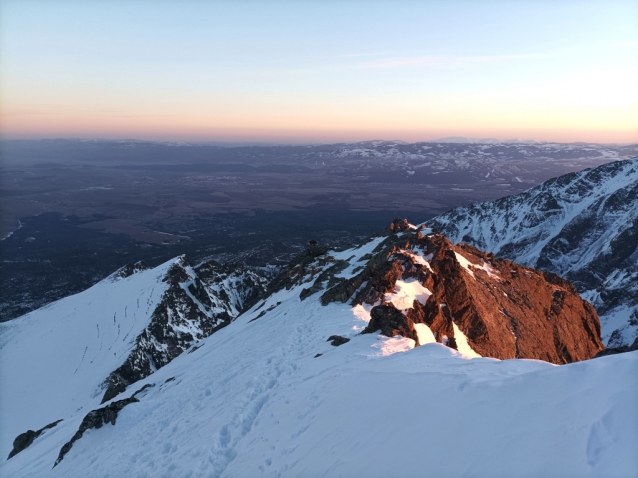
<point x="54" y="359"/>
<point x="582" y="226"/>
<point x="254" y="400"/>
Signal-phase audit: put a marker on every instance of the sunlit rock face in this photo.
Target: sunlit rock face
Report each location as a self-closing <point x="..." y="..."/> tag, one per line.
<point x="582" y="226"/>
<point x="464" y="297"/>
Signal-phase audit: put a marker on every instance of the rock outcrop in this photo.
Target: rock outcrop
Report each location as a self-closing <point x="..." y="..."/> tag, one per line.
<point x="391" y="322"/>
<point x="128" y="270"/>
<point x="618" y="350"/>
<point x="24" y="440"/>
<point x="199" y="301"/>
<point x="337" y="340"/>
<point x="502" y="309"/>
<point x="97" y="419"/>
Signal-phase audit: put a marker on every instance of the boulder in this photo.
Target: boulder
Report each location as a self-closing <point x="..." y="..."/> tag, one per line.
<point x="390" y="322"/>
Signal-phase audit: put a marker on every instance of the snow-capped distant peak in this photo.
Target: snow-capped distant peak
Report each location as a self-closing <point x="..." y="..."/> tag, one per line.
<point x="461" y="140"/>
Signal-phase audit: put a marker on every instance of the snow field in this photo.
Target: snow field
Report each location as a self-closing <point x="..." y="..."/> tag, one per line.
<point x="53" y="360"/>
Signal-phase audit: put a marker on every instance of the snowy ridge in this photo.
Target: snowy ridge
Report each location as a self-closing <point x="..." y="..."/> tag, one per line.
<point x="470" y="153"/>
<point x="71" y="354"/>
<point x="198" y="301"/>
<point x="582" y="226"/>
<point x="267" y="395"/>
<point x="463" y="140"/>
<point x="55" y="359"/>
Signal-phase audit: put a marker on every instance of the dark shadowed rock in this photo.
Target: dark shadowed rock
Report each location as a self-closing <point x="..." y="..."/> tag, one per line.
<point x="128" y="270"/>
<point x="98" y="418"/>
<point x="390" y="322"/>
<point x="24" y="440"/>
<point x="299" y="268"/>
<point x="618" y="350"/>
<point x="337" y="340"/>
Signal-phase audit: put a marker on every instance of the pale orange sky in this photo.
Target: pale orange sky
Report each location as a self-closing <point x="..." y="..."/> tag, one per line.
<point x="320" y="72"/>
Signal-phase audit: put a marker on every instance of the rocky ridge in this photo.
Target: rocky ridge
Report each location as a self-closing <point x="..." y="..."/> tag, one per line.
<point x="198" y="301"/>
<point x="493" y="306"/>
<point x="582" y="226"/>
<point x="98" y="418"/>
<point x="24" y="440"/>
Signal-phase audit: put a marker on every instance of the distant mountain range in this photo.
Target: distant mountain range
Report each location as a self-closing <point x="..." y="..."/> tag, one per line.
<point x="461" y="139"/>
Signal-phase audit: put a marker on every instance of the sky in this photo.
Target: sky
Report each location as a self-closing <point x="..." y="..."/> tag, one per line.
<point x="319" y="72"/>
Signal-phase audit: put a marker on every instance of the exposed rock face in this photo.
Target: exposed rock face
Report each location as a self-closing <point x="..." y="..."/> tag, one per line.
<point x="505" y="310"/>
<point x="199" y="301"/>
<point x="96" y="419"/>
<point x="25" y="439"/>
<point x="337" y="340"/>
<point x="303" y="268"/>
<point x="399" y="225"/>
<point x="582" y="226"/>
<point x="391" y="322"/>
<point x="128" y="270"/>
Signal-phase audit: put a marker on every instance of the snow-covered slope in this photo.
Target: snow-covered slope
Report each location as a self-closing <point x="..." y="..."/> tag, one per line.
<point x="62" y="358"/>
<point x="55" y="359"/>
<point x="269" y="395"/>
<point x="582" y="226"/>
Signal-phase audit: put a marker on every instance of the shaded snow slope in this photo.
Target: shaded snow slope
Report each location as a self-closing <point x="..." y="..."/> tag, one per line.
<point x="582" y="226"/>
<point x="54" y="359"/>
<point x="68" y="356"/>
<point x="254" y="399"/>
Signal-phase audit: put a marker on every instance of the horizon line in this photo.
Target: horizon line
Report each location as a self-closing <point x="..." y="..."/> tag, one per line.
<point x="230" y="143"/>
